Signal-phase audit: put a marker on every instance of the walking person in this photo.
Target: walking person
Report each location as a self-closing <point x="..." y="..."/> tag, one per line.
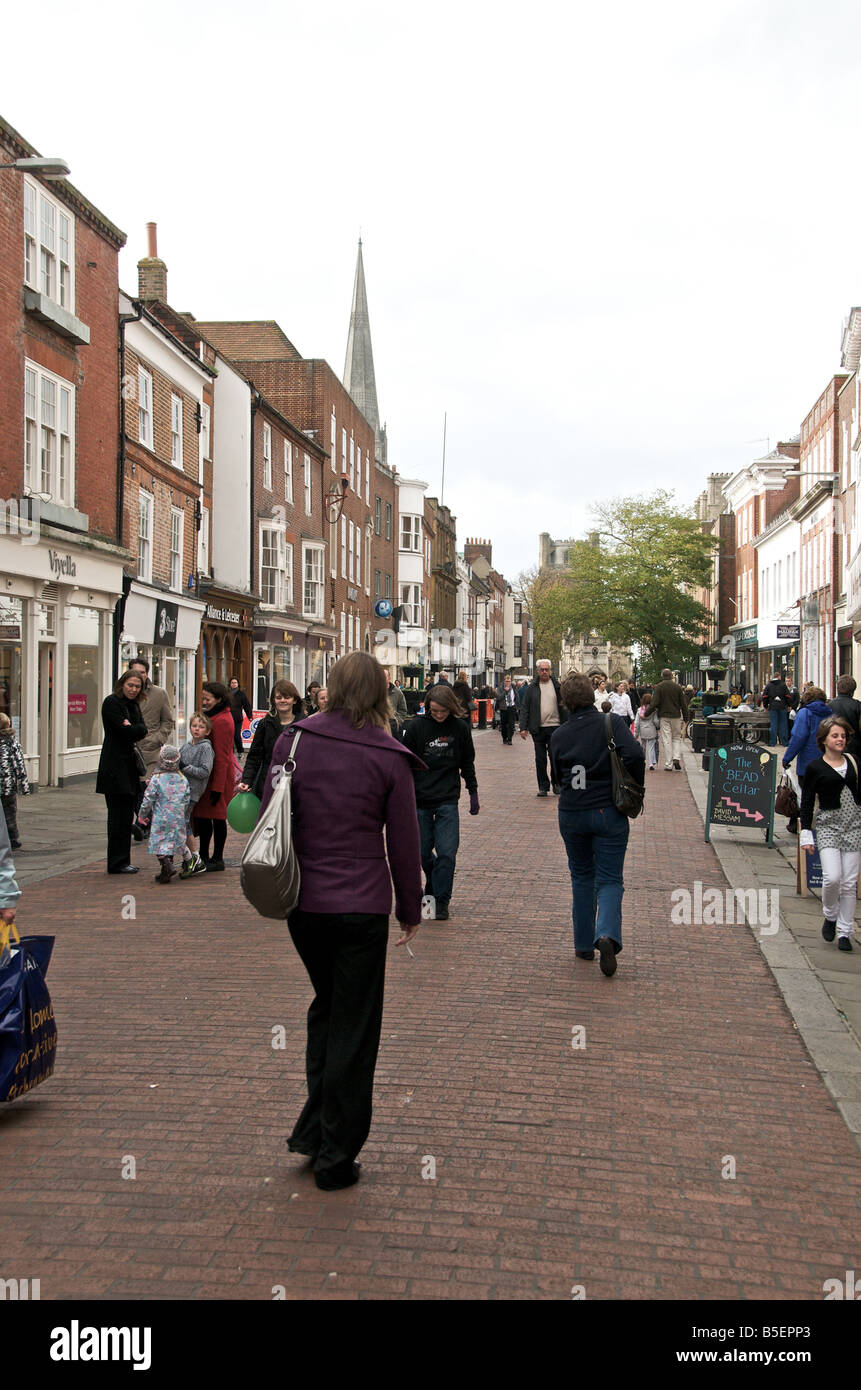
<point x="350" y="774"/>
<point x="832" y="782"/>
<point x="13" y="777"/>
<point x="775" y="698"/>
<point x="507" y="709"/>
<point x="9" y="890"/>
<point x="285" y="705"/>
<point x="541" y="713"/>
<point x="195" y="763"/>
<point x="165" y="809"/>
<point x="309" y="704"/>
<point x="442" y="739"/>
<point x="848" y="708"/>
<point x="670" y="704"/>
<point x="398" y="702"/>
<point x="802" y="745"/>
<point x="620" y="702"/>
<point x="463" y="693"/>
<point x="240" y="705"/>
<point x="118" y="778"/>
<point x="595" y="833"/>
<point x="209" y="815"/>
<point x="647" y="730"/>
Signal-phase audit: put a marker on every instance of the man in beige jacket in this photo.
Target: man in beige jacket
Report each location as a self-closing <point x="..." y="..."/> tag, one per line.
<point x="157" y="715"/>
<point x="670" y="704"/>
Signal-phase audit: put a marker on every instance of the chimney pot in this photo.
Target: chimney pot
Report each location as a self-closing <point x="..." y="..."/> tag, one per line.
<point x="151" y="243"/>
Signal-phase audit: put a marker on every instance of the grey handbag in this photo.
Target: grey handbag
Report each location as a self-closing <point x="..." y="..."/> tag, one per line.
<point x="269" y="872"/>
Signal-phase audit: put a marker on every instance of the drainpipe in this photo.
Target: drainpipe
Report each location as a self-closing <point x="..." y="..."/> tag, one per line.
<point x="255" y="406"/>
<point x="120" y="606"/>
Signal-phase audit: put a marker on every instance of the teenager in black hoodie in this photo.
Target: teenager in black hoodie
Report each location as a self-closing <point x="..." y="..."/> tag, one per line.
<point x="443" y="740"/>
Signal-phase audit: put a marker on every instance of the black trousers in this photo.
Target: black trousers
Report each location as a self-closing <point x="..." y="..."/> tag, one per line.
<point x="541" y="743"/>
<point x="345" y="956"/>
<point x="507" y="723"/>
<point x="206" y="828"/>
<point x="121" y="811"/>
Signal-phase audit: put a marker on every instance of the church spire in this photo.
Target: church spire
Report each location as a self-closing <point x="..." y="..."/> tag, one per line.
<point x="359" y="376"/>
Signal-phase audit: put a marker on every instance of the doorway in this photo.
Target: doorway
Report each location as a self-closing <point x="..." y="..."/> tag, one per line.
<point x="45" y="713"/>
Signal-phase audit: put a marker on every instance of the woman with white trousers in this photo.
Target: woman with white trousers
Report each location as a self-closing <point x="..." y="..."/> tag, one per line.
<point x="831" y="783"/>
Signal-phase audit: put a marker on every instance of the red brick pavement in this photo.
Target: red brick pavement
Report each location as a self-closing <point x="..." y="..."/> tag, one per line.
<point x="555" y="1166"/>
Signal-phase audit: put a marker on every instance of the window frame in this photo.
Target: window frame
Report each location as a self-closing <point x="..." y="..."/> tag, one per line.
<point x="35" y="248"/>
<point x="146" y="507"/>
<point x="275" y="590"/>
<point x="145" y="411"/>
<point x="317" y="548"/>
<point x="288" y="471"/>
<point x="267" y="456"/>
<point x="61" y="461"/>
<point x="309" y="493"/>
<point x="176" y="455"/>
<point x="177" y="514"/>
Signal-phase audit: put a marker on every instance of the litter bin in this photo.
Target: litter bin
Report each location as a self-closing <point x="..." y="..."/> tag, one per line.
<point x="720" y="732"/>
<point x="482" y="713"/>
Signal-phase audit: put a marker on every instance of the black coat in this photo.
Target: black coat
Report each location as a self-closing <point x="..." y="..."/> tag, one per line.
<point x="850" y="710"/>
<point x="118" y="773"/>
<point x="259" y="755"/>
<point x="530" y="709"/>
<point x="822" y="783"/>
<point x="239" y="705"/>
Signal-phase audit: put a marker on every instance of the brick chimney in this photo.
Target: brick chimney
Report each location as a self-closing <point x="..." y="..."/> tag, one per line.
<point x="152" y="273"/>
<point x="473" y="548"/>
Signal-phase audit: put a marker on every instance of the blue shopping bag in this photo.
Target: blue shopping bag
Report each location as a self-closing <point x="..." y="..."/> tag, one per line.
<point x="28" y="1033"/>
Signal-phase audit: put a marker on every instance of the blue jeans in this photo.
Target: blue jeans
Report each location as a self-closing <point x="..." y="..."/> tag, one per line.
<point x="596" y="841"/>
<point x="439" y="833"/>
<point x="778" y="726"/>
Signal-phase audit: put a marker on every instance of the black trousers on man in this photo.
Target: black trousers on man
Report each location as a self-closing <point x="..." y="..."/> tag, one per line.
<point x="541" y="743"/>
<point x="507" y="722"/>
<point x="345" y="956"/>
<point x="121" y="811"/>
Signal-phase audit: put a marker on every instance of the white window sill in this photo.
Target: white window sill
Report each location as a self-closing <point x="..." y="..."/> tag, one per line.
<point x="50" y="312"/>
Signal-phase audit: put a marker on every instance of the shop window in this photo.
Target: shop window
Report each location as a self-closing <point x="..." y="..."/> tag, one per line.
<point x="10" y="661"/>
<point x="282" y="663"/>
<point x="83" y="705"/>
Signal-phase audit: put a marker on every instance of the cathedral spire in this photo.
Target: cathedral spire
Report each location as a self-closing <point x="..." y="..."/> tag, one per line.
<point x="359" y="376"/>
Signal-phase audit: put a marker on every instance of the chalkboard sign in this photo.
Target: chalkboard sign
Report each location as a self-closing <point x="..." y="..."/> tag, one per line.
<point x="741" y="788"/>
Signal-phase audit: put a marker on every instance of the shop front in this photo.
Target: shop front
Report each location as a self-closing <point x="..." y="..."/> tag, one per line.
<point x="225" y="641"/>
<point x="56" y="652"/>
<point x="778" y="648"/>
<point x="165" y="630"/>
<point x="744" y="663"/>
<point x="289" y="652"/>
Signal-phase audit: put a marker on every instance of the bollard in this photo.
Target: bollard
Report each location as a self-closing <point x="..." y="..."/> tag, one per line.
<point x="482" y="714"/>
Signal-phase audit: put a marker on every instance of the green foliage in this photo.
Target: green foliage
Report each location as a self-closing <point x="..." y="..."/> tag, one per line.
<point x="631" y="583"/>
<point x="547" y="596"/>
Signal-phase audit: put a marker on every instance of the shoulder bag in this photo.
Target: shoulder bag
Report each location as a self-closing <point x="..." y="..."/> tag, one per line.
<point x="269" y="872"/>
<point x="628" y="795"/>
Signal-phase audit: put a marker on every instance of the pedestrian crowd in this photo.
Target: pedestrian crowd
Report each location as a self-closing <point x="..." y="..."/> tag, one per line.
<point x="369" y="768"/>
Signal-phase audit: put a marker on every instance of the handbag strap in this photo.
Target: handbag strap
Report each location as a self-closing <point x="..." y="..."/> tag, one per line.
<point x="7" y="931"/>
<point x="608" y="729"/>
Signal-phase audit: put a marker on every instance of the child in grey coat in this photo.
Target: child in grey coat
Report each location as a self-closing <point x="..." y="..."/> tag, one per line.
<point x="195" y="761"/>
<point x="646" y="730"/>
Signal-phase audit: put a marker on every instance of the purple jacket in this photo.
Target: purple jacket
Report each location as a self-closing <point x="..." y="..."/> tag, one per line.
<point x="348" y="784"/>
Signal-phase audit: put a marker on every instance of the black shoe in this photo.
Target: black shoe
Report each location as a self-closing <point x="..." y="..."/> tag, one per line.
<point x="844" y="944"/>
<point x="215" y="866"/>
<point x="556" y="791"/>
<point x="585" y="955"/>
<point x="540" y="793"/>
<point x="127" y="869"/>
<point x="137" y="833"/>
<point x="829" y="930"/>
<point x="792" y="825"/>
<point x="333" y="1179"/>
<point x="607" y="952"/>
<point x="441" y="913"/>
<point x="677" y="765"/>
<point x="15" y="844"/>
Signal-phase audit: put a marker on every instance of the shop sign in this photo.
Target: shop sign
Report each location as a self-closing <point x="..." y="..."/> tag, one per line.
<point x="166" y="623"/>
<point x="287" y="637"/>
<point x="77" y="704"/>
<point x="746" y="636"/>
<point x="223" y="615"/>
<point x="10" y="632"/>
<point x="352" y="594"/>
<point x="61" y="564"/>
<point x="788" y="632"/>
<point x="705" y="663"/>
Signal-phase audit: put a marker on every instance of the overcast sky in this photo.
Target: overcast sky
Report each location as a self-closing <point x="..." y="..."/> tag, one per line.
<point x="615" y="243"/>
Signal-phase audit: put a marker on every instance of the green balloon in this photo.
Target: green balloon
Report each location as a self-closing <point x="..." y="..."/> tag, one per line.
<point x="242" y="812"/>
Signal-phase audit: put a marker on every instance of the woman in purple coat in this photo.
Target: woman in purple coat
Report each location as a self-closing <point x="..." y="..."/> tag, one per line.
<point x="352" y="780"/>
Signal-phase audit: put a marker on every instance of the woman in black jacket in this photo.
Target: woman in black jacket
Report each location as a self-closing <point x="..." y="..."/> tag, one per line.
<point x="442" y="738"/>
<point x="285" y="706"/>
<point x="833" y="781"/>
<point x="848" y="708"/>
<point x="119" y="777"/>
<point x="239" y="705"/>
<point x="595" y="833"/>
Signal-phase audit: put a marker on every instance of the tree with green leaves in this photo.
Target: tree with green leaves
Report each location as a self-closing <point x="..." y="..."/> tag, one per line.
<point x="546" y="594"/>
<point x="633" y="581"/>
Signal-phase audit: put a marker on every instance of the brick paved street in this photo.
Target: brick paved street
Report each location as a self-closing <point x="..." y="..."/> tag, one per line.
<point x="599" y="1166"/>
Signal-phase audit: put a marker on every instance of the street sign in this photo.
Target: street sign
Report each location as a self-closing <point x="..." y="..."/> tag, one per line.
<point x="741" y="788"/>
<point x="383" y="608"/>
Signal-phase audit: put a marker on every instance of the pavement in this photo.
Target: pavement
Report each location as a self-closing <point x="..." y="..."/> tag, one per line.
<point x="540" y="1132"/>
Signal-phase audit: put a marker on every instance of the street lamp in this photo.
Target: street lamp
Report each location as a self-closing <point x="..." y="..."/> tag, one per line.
<point x="52" y="167"/>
